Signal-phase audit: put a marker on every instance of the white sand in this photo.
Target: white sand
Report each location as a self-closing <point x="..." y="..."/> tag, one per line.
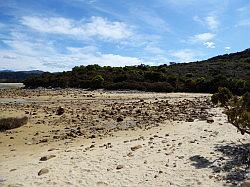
<point x="162" y="161"/>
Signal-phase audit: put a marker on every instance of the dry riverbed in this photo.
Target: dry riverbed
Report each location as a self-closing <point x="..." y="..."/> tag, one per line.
<point x="99" y="138"/>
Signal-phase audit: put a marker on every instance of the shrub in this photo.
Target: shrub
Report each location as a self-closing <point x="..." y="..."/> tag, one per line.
<point x="97" y="81"/>
<point x="12" y="122"/>
<point x="237" y="108"/>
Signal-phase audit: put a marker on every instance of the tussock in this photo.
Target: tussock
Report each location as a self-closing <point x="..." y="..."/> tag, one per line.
<point x="12" y="122"/>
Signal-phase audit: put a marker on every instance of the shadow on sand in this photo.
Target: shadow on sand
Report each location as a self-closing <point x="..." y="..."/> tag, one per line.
<point x="235" y="162"/>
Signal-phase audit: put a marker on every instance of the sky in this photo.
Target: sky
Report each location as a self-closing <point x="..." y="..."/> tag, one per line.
<point x="57" y="35"/>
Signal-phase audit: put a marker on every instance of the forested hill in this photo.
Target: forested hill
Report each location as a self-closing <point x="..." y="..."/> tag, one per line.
<point x="234" y="65"/>
<point x="17" y="76"/>
<point x="230" y="70"/>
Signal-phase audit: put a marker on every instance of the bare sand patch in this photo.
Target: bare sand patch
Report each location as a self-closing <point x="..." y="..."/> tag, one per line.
<point x="160" y="140"/>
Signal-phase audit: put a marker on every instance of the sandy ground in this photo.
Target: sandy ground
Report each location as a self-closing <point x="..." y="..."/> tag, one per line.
<point x="155" y="144"/>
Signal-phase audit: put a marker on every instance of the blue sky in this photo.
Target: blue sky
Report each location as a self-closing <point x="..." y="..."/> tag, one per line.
<point x="56" y="35"/>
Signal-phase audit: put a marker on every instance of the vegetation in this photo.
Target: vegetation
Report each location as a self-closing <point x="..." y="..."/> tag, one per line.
<point x="12" y="122"/>
<point x="231" y="71"/>
<point x="237" y="108"/>
<point x="19" y="76"/>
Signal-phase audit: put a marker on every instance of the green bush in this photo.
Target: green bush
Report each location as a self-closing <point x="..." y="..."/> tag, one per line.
<point x="237" y="108"/>
<point x="97" y="81"/>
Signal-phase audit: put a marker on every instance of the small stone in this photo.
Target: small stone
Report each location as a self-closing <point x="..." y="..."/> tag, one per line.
<point x="52" y="149"/>
<point x="45" y="158"/>
<point x="1" y="179"/>
<point x="119" y="119"/>
<point x="246" y="183"/>
<point x="60" y="111"/>
<point x="130" y="154"/>
<point x="189" y="120"/>
<point x="44" y="140"/>
<point x="119" y="167"/>
<point x="92" y="136"/>
<point x="136" y="147"/>
<point x="43" y="171"/>
<point x="210" y="120"/>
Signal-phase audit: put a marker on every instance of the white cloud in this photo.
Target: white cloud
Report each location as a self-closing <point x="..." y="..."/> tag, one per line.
<point x="210" y="45"/>
<point x="186" y="55"/>
<point x="96" y="26"/>
<point x="242" y="9"/>
<point x="154" y="49"/>
<point x="204" y="37"/>
<point x="2" y="25"/>
<point x="150" y="18"/>
<point x="245" y="22"/>
<point x="210" y="22"/>
<point x="26" y="55"/>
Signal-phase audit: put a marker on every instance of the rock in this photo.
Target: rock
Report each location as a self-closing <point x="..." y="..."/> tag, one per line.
<point x="44" y="140"/>
<point x="1" y="179"/>
<point x="245" y="183"/>
<point x="130" y="154"/>
<point x="60" y="111"/>
<point x="164" y="141"/>
<point x="190" y="120"/>
<point x="119" y="167"/>
<point x="136" y="147"/>
<point x="210" y="120"/>
<point x="43" y="171"/>
<point x="92" y="136"/>
<point x="119" y="119"/>
<point x="45" y="158"/>
<point x="52" y="149"/>
<point x="248" y="174"/>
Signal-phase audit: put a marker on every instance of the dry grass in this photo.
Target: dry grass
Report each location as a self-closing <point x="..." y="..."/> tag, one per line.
<point x="12" y="122"/>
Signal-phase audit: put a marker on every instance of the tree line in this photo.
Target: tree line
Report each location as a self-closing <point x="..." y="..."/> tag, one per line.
<point x="231" y="71"/>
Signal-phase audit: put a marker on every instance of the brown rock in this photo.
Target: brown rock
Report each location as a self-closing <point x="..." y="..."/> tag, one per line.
<point x="210" y="120"/>
<point x="45" y="158"/>
<point x="60" y="111"/>
<point x="119" y="167"/>
<point x="190" y="120"/>
<point x="246" y="183"/>
<point x="119" y="119"/>
<point x="43" y="171"/>
<point x="136" y="147"/>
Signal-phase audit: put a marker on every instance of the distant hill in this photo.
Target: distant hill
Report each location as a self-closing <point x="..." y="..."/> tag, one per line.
<point x="229" y="70"/>
<point x="17" y="76"/>
<point x="234" y="65"/>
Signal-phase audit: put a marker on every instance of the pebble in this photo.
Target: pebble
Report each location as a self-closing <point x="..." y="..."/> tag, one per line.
<point x="45" y="158"/>
<point x="1" y="179"/>
<point x="245" y="183"/>
<point x="136" y="147"/>
<point x="43" y="171"/>
<point x="210" y="120"/>
<point x="119" y="167"/>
